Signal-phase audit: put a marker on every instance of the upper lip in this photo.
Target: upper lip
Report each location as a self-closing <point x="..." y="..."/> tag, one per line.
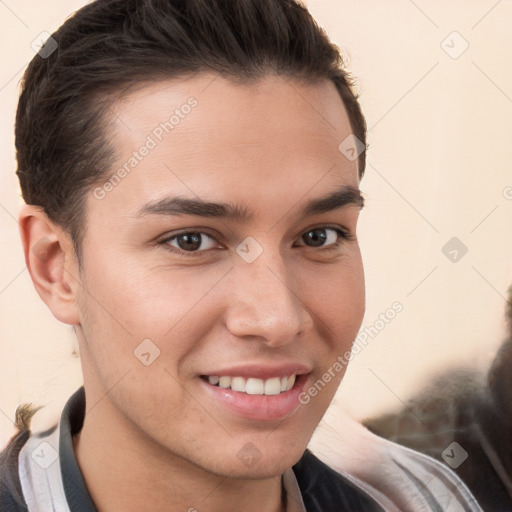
<point x="260" y="371"/>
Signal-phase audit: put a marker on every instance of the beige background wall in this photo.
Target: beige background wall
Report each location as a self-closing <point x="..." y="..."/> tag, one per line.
<point x="439" y="166"/>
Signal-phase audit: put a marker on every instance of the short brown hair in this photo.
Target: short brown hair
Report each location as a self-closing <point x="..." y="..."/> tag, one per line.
<point x="108" y="46"/>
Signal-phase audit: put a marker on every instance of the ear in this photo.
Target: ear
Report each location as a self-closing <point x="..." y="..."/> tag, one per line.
<point x="51" y="262"/>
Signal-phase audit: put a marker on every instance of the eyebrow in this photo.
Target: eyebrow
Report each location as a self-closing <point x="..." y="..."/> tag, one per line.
<point x="345" y="196"/>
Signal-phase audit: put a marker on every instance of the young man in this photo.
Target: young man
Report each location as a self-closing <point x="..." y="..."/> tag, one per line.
<point x="191" y="171"/>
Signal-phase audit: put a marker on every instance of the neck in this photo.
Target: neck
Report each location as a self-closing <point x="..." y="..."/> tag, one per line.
<point x="124" y="471"/>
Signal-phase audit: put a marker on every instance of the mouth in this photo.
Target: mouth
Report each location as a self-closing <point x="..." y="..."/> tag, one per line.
<point x="252" y="385"/>
<point x="264" y="398"/>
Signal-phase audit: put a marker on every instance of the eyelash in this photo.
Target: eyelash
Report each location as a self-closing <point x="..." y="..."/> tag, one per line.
<point x="343" y="236"/>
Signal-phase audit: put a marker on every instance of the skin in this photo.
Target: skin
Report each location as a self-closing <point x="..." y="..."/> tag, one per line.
<point x="153" y="427"/>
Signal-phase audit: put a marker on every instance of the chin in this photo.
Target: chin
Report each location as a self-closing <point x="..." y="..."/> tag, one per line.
<point x="267" y="458"/>
<point x="267" y="467"/>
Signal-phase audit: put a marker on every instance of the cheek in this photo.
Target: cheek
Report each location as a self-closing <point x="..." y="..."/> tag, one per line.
<point x="127" y="304"/>
<point x="143" y="300"/>
<point x="339" y="295"/>
<point x="340" y="308"/>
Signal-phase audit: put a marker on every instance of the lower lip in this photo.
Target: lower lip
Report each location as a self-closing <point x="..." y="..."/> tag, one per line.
<point x="258" y="407"/>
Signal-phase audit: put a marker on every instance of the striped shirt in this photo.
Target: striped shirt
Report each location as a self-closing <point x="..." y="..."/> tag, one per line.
<point x="39" y="473"/>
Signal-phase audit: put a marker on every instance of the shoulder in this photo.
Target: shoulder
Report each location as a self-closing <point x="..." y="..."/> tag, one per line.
<point x="11" y="495"/>
<point x="408" y="480"/>
<point x="31" y="428"/>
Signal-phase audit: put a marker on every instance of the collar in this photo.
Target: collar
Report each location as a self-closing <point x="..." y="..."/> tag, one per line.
<point x="51" y="478"/>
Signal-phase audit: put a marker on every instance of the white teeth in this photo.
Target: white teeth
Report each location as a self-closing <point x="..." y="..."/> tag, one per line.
<point x="225" y="382"/>
<point x="273" y="386"/>
<point x="238" y="384"/>
<point x="253" y="386"/>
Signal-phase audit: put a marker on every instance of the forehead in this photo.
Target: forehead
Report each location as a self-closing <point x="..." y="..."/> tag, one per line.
<point x="208" y="136"/>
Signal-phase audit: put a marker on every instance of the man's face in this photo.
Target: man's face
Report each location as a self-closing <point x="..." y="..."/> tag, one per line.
<point x="171" y="299"/>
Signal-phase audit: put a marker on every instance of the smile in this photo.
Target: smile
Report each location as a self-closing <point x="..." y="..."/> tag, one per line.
<point x="253" y="386"/>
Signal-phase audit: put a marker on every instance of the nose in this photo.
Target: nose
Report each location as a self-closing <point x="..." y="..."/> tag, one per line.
<point x="265" y="303"/>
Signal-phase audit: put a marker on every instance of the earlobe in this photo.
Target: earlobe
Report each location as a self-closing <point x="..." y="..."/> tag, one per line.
<point x="49" y="257"/>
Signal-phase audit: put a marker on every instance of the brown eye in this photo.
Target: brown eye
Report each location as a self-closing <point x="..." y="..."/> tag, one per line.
<point x="316" y="237"/>
<point x="189" y="242"/>
<point x="323" y="237"/>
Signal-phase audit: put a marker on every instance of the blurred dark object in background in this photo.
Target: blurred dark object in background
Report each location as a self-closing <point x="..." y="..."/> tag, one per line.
<point x="473" y="410"/>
